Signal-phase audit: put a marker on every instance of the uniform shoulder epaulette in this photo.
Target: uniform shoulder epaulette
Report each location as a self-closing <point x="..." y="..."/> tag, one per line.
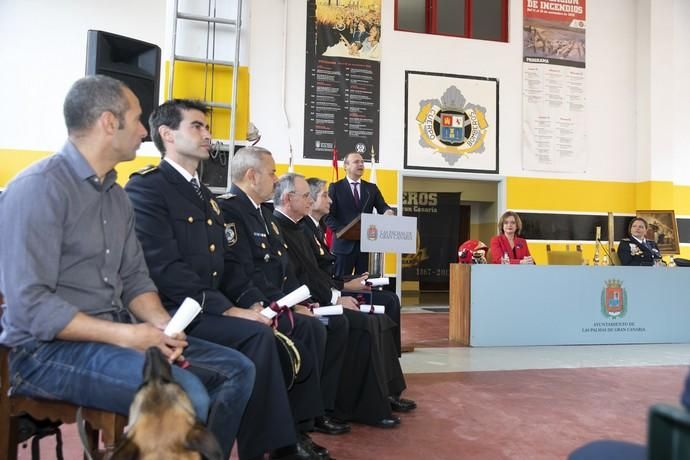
<point x="226" y="196"/>
<point x="145" y="170"/>
<point x="625" y="239"/>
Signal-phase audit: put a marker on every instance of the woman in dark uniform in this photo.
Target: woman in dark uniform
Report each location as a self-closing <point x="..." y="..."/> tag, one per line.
<point x="637" y="250"/>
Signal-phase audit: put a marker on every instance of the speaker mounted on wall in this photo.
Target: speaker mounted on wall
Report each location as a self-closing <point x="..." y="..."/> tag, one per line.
<point x="135" y="63"/>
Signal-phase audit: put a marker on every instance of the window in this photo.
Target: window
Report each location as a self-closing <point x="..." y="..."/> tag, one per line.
<point x="481" y="19"/>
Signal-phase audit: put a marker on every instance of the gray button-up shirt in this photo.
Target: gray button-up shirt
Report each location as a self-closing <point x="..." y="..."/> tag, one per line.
<point x="67" y="244"/>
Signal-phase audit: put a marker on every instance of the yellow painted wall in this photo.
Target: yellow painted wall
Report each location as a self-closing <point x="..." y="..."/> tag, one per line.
<point x="522" y="193"/>
<point x="213" y="83"/>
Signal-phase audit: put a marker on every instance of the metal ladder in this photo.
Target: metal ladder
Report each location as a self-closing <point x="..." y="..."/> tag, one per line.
<point x="211" y="20"/>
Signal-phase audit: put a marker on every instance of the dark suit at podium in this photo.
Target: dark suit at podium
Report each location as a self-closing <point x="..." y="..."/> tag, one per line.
<point x="343" y="210"/>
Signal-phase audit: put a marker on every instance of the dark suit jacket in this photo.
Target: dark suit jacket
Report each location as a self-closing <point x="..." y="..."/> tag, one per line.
<point x="631" y="252"/>
<point x="343" y="209"/>
<point x="182" y="237"/>
<point x="500" y="244"/>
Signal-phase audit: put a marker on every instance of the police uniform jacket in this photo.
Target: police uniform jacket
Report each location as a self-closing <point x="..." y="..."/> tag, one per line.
<point x="632" y="252"/>
<point x="256" y="249"/>
<point x="182" y="237"/>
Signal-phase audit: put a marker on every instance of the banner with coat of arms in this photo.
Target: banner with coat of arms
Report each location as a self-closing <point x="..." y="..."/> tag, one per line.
<point x="451" y="122"/>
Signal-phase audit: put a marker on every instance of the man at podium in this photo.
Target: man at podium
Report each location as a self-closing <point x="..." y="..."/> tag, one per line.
<point x="352" y="196"/>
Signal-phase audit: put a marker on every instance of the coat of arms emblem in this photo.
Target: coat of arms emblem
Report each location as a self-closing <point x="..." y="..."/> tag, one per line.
<point x="372" y="233"/>
<point x="614" y="299"/>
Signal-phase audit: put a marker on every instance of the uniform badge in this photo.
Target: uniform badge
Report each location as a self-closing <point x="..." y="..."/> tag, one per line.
<point x="634" y="250"/>
<point x="230" y="233"/>
<point x="215" y="207"/>
<point x="275" y="228"/>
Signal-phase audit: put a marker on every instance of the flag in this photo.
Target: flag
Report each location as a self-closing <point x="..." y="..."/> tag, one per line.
<point x="334" y="178"/>
<point x="372" y="176"/>
<point x="291" y="166"/>
<point x="334" y="175"/>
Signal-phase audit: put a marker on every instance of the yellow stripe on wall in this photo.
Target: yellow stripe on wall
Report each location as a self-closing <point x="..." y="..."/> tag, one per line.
<point x="595" y="196"/>
<point x="213" y="83"/>
<point x="570" y="195"/>
<point x="14" y="161"/>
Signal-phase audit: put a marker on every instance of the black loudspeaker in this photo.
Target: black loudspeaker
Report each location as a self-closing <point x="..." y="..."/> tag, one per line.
<point x="136" y="63"/>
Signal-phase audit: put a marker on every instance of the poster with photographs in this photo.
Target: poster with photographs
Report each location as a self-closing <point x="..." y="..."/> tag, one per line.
<point x="451" y="122"/>
<point x="553" y="85"/>
<point x="342" y="82"/>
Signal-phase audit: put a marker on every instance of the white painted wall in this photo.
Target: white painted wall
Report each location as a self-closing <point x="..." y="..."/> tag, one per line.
<point x="611" y="83"/>
<point x="43" y="51"/>
<point x="633" y="96"/>
<point x="678" y="120"/>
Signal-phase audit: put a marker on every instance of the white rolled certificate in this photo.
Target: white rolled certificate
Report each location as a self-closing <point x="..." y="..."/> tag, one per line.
<point x="268" y="313"/>
<point x="377" y="309"/>
<point x="374" y="282"/>
<point x="293" y="298"/>
<point x="330" y="310"/>
<point x="183" y="316"/>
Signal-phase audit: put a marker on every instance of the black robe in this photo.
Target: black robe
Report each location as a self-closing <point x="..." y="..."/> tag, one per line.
<point x="370" y="367"/>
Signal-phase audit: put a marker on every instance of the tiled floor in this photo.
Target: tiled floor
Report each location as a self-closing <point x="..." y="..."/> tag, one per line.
<point x="507" y="403"/>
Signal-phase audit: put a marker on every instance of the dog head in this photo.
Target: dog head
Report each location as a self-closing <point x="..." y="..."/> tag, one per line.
<point x="162" y="423"/>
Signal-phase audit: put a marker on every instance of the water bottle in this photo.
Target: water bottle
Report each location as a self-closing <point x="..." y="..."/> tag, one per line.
<point x="505" y="260"/>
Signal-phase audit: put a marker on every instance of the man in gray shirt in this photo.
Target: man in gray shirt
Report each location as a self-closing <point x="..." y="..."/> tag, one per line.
<point x="80" y="307"/>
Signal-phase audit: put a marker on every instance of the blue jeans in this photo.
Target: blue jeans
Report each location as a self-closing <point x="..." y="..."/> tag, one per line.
<point x="219" y="380"/>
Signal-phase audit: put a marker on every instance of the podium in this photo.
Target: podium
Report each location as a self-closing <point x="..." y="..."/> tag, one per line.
<point x="351" y="231"/>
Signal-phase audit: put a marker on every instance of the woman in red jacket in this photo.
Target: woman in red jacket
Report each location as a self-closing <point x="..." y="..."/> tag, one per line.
<point x="508" y="242"/>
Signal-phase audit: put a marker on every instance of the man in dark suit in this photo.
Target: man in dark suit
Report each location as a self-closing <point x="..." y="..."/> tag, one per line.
<point x="260" y="273"/>
<point x="182" y="233"/>
<point x="350" y="197"/>
<point x="315" y="230"/>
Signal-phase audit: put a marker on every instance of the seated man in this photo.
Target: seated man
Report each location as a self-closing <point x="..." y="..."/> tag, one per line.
<point x="371" y="371"/>
<point x="80" y="307"/>
<point x="256" y="271"/>
<point x="182" y="234"/>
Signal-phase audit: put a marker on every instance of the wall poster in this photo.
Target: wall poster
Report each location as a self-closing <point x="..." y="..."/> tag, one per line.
<point x="451" y="122"/>
<point x="342" y="81"/>
<point x="553" y="86"/>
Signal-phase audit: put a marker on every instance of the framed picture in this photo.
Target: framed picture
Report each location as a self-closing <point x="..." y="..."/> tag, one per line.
<point x="662" y="229"/>
<point x="451" y="122"/>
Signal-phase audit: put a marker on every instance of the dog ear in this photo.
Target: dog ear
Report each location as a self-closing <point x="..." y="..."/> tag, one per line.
<point x="199" y="439"/>
<point x="156" y="367"/>
<point x="126" y="450"/>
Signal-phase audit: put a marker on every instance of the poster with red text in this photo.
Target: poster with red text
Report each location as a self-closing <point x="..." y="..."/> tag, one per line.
<point x="553" y="85"/>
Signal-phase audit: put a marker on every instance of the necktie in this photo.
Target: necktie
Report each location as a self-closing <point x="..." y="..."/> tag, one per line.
<point x="355" y="192"/>
<point x="197" y="188"/>
<point x="263" y="219"/>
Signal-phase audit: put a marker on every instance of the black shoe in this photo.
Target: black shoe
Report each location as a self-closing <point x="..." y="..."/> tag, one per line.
<point x="391" y="422"/>
<point x="295" y="452"/>
<point x="330" y="425"/>
<point x="320" y="452"/>
<point x="399" y="404"/>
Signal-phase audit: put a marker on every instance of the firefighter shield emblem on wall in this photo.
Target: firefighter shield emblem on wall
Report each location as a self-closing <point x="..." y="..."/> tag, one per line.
<point x="452" y="126"/>
<point x="614" y="299"/>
